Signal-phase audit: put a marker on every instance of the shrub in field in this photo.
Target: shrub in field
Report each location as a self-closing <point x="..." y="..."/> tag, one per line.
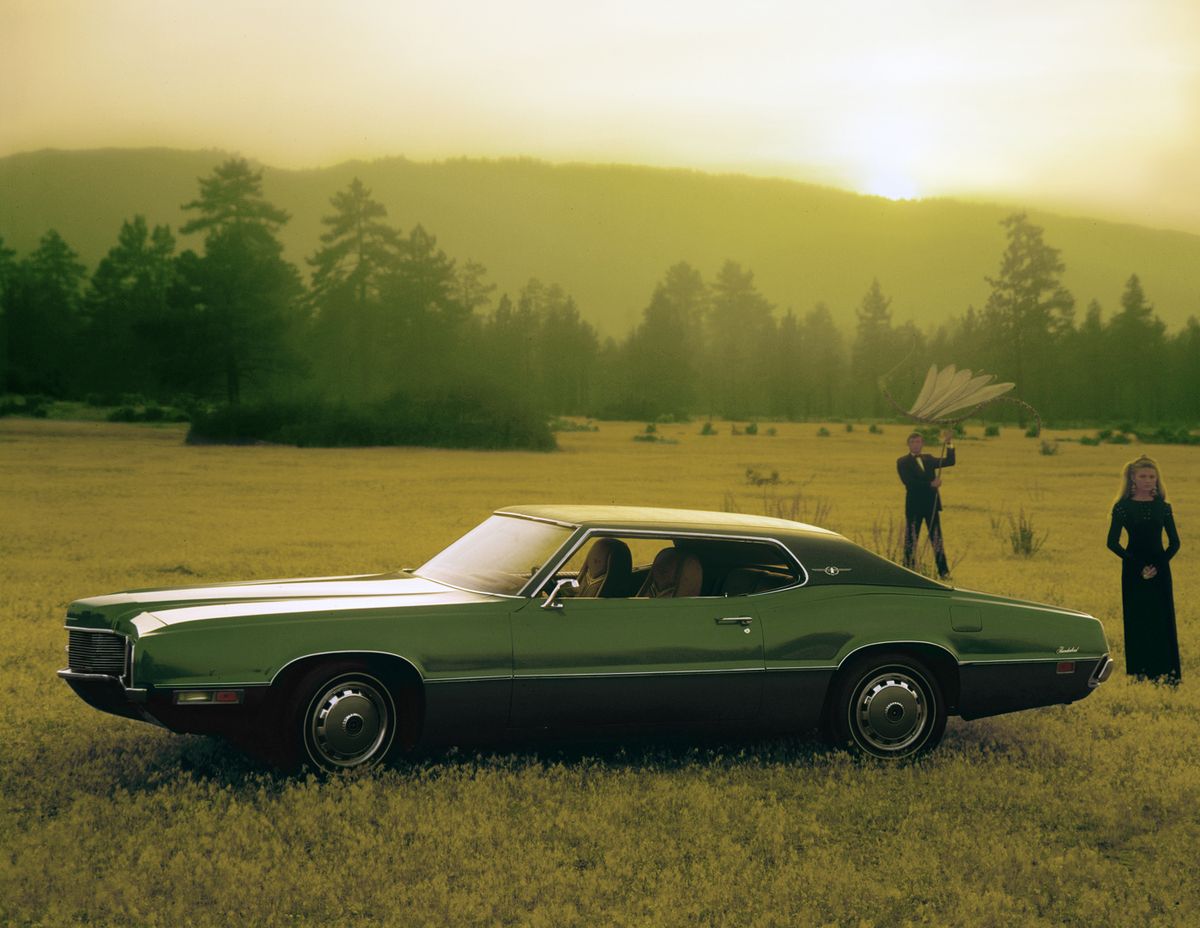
<point x="1049" y="447"/>
<point x="33" y="405"/>
<point x="886" y="538"/>
<point x="822" y="432"/>
<point x="1033" y="431"/>
<point x="455" y="420"/>
<point x="875" y="430"/>
<point x="757" y="479"/>
<point x="149" y="413"/>
<point x="123" y="414"/>
<point x="559" y="424"/>
<point x="708" y="429"/>
<point x="849" y="426"/>
<point x="1166" y="435"/>
<point x="991" y="431"/>
<point x="1022" y="537"/>
<point x="752" y="428"/>
<point x="796" y="507"/>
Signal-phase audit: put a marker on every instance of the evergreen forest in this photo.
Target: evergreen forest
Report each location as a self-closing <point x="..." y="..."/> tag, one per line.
<point x="383" y="337"/>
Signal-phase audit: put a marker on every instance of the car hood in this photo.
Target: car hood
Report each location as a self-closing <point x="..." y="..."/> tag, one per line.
<point x="174" y="605"/>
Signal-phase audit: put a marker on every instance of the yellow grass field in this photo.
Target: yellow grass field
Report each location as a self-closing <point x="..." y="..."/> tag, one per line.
<point x="1079" y="815"/>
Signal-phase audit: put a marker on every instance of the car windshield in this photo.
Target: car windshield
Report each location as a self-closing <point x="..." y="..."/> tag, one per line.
<point x="497" y="556"/>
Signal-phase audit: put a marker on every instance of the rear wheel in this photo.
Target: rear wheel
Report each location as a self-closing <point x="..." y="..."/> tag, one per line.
<point x="889" y="706"/>
<point x="343" y="719"/>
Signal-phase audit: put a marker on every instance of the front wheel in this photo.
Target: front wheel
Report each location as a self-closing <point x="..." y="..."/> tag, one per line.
<point x="346" y="720"/>
<point x="887" y="706"/>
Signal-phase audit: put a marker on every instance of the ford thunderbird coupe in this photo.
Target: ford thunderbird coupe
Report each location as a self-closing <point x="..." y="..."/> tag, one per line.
<point x="583" y="620"/>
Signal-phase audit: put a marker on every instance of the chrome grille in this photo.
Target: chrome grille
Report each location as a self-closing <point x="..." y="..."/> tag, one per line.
<point x="96" y="652"/>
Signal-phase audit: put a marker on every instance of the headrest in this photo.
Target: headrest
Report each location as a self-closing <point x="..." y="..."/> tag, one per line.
<point x="674" y="573"/>
<point x="606" y="569"/>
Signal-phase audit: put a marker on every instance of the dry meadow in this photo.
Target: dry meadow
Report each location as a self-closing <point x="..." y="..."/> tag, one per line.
<point x="1078" y="815"/>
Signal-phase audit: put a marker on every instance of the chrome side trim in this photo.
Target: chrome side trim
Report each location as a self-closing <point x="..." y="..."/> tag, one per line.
<point x="519" y="515"/>
<point x="634" y="673"/>
<point x="435" y="680"/>
<point x="304" y="657"/>
<point x="876" y="644"/>
<point x="1030" y="660"/>
<point x="960" y="663"/>
<point x="536" y="583"/>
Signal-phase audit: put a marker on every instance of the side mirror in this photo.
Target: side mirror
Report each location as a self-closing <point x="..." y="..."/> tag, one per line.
<point x="567" y="583"/>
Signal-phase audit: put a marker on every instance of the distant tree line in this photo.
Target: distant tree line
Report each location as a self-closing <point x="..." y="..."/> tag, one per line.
<point x="387" y="317"/>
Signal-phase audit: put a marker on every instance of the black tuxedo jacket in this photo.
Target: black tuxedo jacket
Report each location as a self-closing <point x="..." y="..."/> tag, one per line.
<point x="921" y="499"/>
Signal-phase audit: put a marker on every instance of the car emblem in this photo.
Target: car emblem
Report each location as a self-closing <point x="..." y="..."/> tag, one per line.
<point x="834" y="571"/>
<point x="1065" y="650"/>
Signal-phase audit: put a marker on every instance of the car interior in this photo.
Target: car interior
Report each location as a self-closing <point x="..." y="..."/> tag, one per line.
<point x="622" y="568"/>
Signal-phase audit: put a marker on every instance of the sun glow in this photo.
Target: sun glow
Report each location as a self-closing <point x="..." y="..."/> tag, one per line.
<point x="885" y="146"/>
<point x="891" y="182"/>
<point x="891" y="98"/>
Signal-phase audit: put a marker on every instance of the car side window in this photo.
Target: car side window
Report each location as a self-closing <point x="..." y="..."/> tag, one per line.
<point x="640" y="567"/>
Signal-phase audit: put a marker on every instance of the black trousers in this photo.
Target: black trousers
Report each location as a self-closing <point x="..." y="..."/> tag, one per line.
<point x="912" y="531"/>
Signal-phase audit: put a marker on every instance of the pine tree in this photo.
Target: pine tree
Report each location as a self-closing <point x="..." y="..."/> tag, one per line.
<point x="246" y="294"/>
<point x="232" y="196"/>
<point x="127" y="310"/>
<point x="740" y="333"/>
<point x="350" y="270"/>
<point x="874" y="350"/>
<point x="665" y="350"/>
<point x="8" y="271"/>
<point x="824" y="369"/>
<point x="1028" y="308"/>
<point x="1137" y="355"/>
<point x="42" y="318"/>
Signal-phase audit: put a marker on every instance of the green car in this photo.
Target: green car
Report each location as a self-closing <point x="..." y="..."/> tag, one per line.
<point x="582" y="619"/>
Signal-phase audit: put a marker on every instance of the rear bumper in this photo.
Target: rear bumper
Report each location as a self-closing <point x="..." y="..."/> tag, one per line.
<point x="1102" y="672"/>
<point x="993" y="688"/>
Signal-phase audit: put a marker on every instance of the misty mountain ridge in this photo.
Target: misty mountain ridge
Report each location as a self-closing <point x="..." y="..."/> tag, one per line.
<point x="608" y="233"/>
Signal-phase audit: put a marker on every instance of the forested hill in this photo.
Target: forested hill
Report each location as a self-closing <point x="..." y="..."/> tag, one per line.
<point x="607" y="234"/>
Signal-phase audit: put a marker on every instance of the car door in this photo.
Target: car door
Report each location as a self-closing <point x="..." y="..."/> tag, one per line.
<point x="636" y="661"/>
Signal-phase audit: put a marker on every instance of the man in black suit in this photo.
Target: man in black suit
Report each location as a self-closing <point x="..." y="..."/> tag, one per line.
<point x="922" y="502"/>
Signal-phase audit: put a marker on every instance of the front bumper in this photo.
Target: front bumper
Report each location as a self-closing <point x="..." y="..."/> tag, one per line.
<point x="108" y="694"/>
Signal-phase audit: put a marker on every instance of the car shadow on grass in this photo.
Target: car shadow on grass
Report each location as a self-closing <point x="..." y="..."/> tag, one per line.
<point x="141" y="767"/>
<point x="659" y="752"/>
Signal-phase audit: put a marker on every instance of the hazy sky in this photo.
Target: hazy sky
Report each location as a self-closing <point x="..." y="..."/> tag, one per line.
<point x="1092" y="105"/>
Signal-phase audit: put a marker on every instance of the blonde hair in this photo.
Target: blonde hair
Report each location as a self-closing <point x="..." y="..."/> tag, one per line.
<point x="1140" y="463"/>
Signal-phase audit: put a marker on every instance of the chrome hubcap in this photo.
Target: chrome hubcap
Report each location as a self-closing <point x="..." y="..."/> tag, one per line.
<point x="891" y="711"/>
<point x="349" y="723"/>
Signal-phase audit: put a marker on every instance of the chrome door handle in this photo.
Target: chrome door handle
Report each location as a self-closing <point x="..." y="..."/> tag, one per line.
<point x="735" y="620"/>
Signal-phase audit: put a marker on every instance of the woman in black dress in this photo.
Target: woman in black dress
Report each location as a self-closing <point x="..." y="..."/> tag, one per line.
<point x="1151" y="644"/>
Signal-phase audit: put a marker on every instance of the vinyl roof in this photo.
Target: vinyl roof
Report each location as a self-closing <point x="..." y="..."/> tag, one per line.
<point x="646" y="517"/>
